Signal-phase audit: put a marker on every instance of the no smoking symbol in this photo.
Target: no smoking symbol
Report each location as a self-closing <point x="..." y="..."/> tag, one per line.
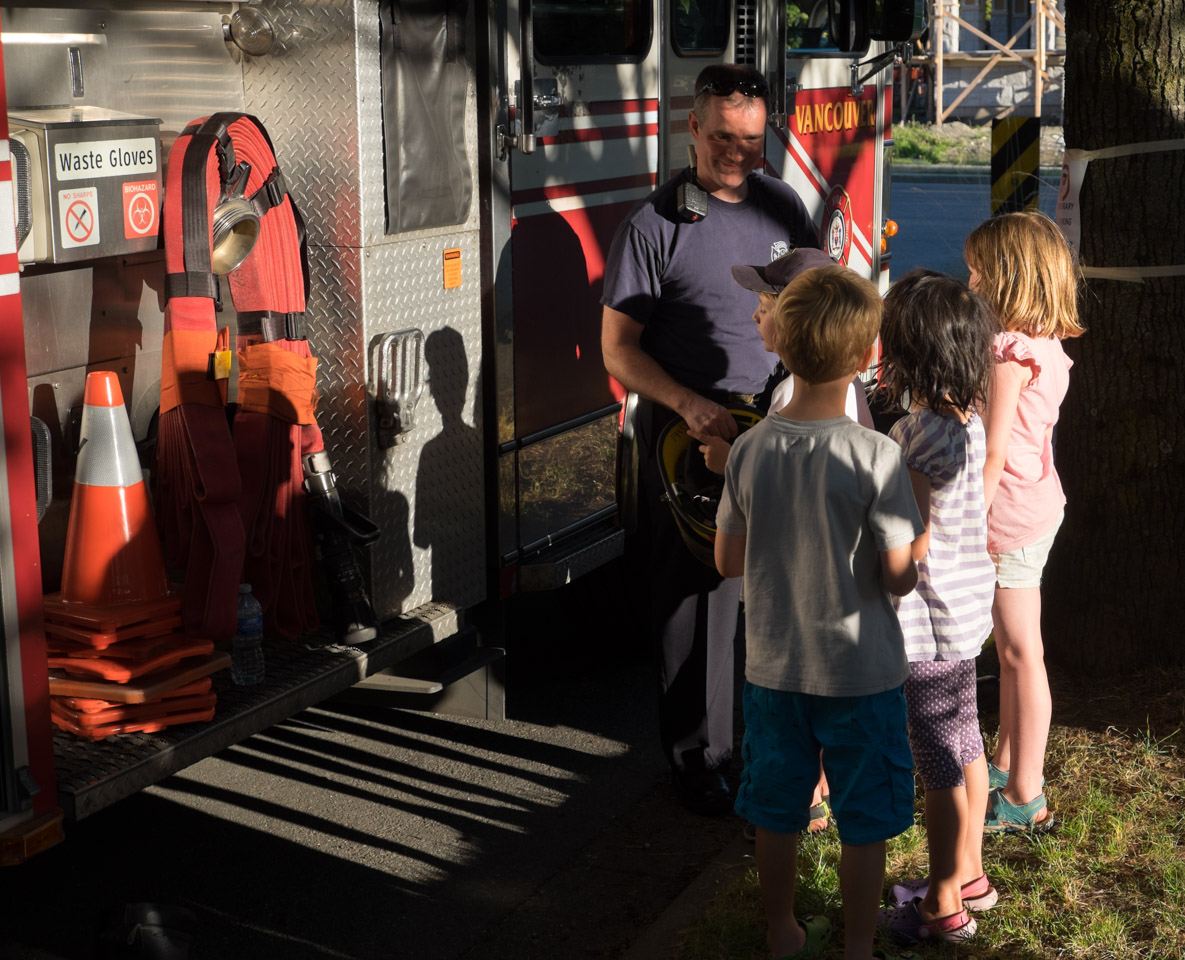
<point x="141" y="214"/>
<point x="80" y="221"/>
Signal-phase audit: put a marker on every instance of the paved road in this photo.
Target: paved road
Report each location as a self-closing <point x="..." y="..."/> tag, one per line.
<point x="935" y="216"/>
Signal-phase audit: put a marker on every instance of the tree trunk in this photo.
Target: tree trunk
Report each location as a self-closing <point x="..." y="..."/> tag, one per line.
<point x="1115" y="582"/>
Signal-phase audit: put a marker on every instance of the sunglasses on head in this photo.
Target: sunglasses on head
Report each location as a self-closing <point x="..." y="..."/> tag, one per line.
<point x="727" y="82"/>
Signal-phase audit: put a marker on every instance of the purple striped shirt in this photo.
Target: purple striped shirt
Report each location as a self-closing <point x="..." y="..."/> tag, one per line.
<point x="949" y="615"/>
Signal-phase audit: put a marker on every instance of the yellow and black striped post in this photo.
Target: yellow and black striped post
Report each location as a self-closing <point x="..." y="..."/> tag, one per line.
<point x="1016" y="151"/>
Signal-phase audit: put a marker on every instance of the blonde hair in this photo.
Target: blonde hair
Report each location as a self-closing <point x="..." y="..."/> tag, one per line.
<point x="1027" y="273"/>
<point x="825" y="320"/>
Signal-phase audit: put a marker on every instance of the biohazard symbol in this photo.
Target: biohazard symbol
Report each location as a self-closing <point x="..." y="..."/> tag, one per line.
<point x="141" y="213"/>
<point x="141" y="209"/>
<point x="80" y="221"/>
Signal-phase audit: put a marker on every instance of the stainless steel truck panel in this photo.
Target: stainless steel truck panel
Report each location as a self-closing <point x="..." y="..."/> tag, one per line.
<point x="320" y="94"/>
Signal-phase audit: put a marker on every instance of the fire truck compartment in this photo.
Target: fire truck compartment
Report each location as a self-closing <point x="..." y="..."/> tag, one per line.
<point x="91" y="776"/>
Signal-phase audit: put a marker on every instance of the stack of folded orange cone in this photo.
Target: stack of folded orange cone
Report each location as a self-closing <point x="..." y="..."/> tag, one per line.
<point x="118" y="661"/>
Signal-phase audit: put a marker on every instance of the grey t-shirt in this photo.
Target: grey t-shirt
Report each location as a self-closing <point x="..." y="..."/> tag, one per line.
<point x="818" y="501"/>
<point x="675" y="278"/>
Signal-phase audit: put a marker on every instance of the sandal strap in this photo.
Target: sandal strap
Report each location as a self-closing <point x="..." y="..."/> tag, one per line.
<point x="976" y="888"/>
<point x="956" y="921"/>
<point x="1004" y="810"/>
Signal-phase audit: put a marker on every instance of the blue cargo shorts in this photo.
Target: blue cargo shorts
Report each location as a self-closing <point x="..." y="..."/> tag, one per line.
<point x="866" y="757"/>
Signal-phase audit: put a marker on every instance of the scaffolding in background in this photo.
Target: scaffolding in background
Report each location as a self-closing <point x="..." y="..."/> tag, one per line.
<point x="931" y="62"/>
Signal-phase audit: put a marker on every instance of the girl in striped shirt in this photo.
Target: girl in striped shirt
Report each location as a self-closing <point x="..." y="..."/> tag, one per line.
<point x="936" y="341"/>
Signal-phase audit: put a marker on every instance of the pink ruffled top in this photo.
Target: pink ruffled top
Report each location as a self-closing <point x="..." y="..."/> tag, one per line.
<point x="1030" y="496"/>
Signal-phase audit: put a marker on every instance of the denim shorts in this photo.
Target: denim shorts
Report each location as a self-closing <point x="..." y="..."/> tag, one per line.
<point x="1022" y="567"/>
<point x="866" y="758"/>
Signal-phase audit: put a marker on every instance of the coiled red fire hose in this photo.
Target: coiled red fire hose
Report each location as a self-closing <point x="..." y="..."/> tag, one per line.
<point x="230" y="499"/>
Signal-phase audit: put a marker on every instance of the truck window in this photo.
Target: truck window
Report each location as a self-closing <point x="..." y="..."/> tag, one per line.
<point x="808" y="27"/>
<point x="700" y="27"/>
<point x="591" y="31"/>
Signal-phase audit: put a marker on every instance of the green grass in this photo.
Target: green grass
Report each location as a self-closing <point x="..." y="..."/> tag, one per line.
<point x="919" y="142"/>
<point x="1107" y="884"/>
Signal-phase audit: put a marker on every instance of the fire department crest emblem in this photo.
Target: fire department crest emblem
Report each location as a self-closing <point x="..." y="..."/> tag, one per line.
<point x="779" y="249"/>
<point x="837" y="220"/>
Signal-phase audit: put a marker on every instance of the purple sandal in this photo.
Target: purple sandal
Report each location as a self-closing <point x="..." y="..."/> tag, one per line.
<point x="978" y="895"/>
<point x="906" y="923"/>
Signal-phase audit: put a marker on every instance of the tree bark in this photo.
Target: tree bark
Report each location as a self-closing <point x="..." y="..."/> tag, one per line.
<point x="1116" y="579"/>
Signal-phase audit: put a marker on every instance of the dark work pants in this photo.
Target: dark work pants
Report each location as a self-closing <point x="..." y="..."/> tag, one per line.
<point x="693" y="621"/>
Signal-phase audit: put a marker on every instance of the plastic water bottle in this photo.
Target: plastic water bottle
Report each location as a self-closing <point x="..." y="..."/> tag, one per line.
<point x="246" y="650"/>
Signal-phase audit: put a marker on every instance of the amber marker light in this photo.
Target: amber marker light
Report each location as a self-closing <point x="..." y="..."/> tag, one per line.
<point x="890" y="228"/>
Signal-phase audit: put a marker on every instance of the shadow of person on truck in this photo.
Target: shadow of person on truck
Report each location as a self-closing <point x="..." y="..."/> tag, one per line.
<point x="452" y="528"/>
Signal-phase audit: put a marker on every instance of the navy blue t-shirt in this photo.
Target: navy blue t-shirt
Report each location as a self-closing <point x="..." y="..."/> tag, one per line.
<point x="675" y="278"/>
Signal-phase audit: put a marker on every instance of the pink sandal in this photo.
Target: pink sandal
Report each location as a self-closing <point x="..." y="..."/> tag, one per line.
<point x="907" y="923"/>
<point x="978" y="895"/>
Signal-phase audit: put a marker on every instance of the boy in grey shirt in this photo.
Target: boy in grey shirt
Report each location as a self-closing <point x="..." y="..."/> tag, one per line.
<point x="819" y="516"/>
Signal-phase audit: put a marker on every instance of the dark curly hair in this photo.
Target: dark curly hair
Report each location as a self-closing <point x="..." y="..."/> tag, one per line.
<point x="936" y="342"/>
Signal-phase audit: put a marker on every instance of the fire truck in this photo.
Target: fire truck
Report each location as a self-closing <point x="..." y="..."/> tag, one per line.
<point x="461" y="171"/>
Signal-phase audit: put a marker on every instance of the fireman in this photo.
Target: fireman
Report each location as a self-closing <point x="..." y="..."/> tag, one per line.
<point x="675" y="331"/>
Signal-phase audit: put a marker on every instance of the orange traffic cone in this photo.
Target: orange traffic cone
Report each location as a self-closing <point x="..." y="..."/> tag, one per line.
<point x="113" y="571"/>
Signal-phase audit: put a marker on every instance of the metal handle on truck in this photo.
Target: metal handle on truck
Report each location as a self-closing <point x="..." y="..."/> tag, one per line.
<point x="399" y="382"/>
<point x="779" y="98"/>
<point x="526" y="60"/>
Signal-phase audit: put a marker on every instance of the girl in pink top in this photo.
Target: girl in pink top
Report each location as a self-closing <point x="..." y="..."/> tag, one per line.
<point x="1021" y="264"/>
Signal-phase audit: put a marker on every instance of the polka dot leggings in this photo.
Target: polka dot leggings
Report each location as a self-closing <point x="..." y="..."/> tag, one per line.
<point x="943" y="720"/>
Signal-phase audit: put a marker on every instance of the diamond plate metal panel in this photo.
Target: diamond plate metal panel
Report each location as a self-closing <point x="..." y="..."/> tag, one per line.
<point x="370" y="122"/>
<point x="319" y="94"/>
<point x="427" y="493"/>
<point x="429" y="490"/>
<point x="335" y="332"/>
<point x="307" y="95"/>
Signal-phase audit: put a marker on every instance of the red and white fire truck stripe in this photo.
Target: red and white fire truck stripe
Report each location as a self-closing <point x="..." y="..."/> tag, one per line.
<point x="597" y="136"/>
<point x="9" y="264"/>
<point x="819" y="187"/>
<point x="23" y="643"/>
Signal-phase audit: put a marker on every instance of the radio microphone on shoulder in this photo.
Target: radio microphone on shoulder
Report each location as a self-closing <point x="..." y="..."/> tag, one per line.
<point x="690" y="199"/>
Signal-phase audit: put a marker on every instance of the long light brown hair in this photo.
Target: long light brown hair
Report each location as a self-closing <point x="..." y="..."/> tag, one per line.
<point x="1024" y="268"/>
